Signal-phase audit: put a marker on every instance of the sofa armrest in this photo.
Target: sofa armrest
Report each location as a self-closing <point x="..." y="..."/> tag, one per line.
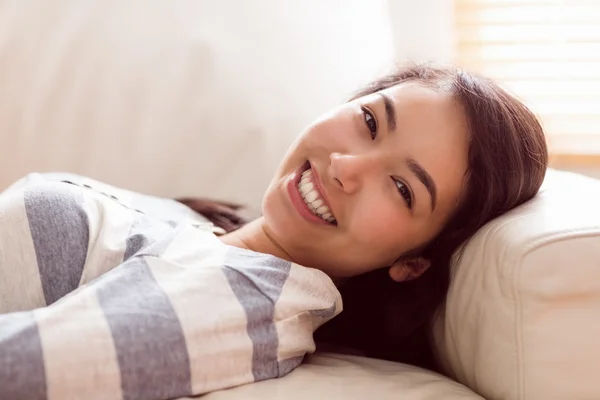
<point x="521" y="318"/>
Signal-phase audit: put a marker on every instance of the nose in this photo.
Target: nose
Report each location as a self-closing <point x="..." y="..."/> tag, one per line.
<point x="349" y="171"/>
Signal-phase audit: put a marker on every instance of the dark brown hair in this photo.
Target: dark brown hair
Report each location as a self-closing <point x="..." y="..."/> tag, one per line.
<point x="507" y="161"/>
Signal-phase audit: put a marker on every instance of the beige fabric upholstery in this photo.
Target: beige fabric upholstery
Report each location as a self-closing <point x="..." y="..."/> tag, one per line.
<point x="330" y="376"/>
<point x="522" y="320"/>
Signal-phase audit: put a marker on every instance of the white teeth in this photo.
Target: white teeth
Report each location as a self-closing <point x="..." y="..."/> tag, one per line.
<point x="307" y="187"/>
<point x="312" y="197"/>
<point x="322" y="209"/>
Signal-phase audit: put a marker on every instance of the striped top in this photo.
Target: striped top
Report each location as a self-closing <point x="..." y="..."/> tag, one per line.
<point x="109" y="294"/>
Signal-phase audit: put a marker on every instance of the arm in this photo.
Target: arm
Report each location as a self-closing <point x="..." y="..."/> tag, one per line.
<point x="198" y="317"/>
<point x="57" y="235"/>
<point x="43" y="244"/>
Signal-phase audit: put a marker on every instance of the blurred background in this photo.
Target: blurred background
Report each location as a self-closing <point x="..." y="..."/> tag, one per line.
<point x="201" y="97"/>
<point x="547" y="52"/>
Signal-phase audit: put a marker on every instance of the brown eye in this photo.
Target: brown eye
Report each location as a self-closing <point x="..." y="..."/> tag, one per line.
<point x="370" y="122"/>
<point x="404" y="192"/>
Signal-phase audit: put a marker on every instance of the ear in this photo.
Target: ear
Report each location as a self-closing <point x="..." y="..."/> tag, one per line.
<point x="409" y="269"/>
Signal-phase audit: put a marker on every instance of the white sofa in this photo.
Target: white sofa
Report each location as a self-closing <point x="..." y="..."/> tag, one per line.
<point x="169" y="98"/>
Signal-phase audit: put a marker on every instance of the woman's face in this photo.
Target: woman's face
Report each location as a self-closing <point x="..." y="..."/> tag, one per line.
<point x="369" y="181"/>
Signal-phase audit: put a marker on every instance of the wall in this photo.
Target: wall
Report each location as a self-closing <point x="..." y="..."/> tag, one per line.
<point x="182" y="97"/>
<point x="423" y="30"/>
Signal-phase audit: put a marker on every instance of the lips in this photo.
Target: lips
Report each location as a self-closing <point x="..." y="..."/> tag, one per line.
<point x="308" y="207"/>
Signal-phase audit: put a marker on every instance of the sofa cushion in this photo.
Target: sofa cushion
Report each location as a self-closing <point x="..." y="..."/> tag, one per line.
<point x="332" y="376"/>
<point x="522" y="318"/>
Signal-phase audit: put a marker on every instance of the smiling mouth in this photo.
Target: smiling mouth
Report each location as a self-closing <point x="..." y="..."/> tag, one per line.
<point x="313" y="198"/>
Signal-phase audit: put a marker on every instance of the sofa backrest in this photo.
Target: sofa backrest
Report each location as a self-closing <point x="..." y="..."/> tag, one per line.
<point x="176" y="98"/>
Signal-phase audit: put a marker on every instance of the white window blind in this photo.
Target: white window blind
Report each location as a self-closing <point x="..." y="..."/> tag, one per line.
<point x="547" y="52"/>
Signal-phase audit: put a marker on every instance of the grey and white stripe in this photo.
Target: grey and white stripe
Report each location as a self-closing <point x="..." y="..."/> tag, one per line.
<point x="258" y="288"/>
<point x="59" y="229"/>
<point x="148" y="334"/>
<point x="121" y="304"/>
<point x="21" y="357"/>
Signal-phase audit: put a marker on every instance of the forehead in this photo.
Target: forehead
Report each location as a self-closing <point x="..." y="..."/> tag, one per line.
<point x="435" y="111"/>
<point x="421" y="97"/>
<point x="432" y="129"/>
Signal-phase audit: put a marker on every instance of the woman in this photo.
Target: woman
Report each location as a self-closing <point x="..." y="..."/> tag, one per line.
<point x="485" y="153"/>
<point x="375" y="196"/>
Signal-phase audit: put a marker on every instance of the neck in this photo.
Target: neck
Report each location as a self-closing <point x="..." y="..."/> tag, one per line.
<point x="255" y="236"/>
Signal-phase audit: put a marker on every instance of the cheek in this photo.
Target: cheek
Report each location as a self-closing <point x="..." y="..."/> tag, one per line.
<point x="382" y="226"/>
<point x="275" y="210"/>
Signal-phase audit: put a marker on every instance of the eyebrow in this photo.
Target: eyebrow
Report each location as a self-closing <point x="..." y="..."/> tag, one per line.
<point x="425" y="178"/>
<point x="389" y="111"/>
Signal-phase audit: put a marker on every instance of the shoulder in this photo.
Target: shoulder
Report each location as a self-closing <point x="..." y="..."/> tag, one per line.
<point x="45" y="198"/>
<point x="52" y="209"/>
